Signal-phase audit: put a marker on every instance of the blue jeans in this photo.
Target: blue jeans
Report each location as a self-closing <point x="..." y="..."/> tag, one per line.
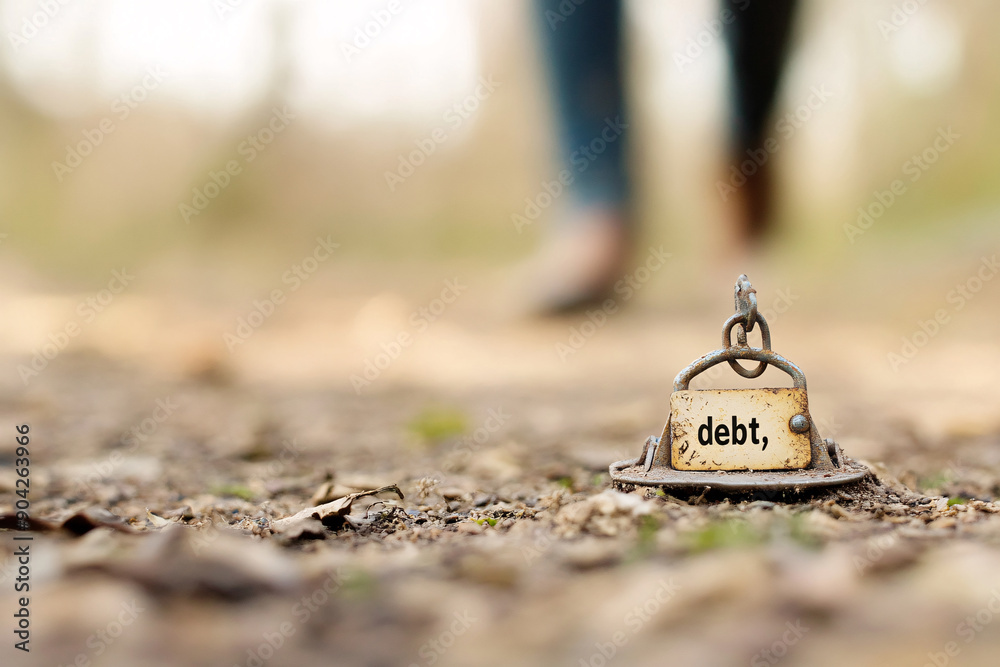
<point x="582" y="42"/>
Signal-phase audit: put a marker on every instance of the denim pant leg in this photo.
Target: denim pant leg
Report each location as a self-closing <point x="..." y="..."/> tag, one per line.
<point x="582" y="47"/>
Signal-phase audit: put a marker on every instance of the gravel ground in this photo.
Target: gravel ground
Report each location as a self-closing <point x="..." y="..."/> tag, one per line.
<point x="169" y="491"/>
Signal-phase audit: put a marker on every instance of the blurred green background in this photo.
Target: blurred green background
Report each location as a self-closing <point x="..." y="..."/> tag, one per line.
<point x="892" y="87"/>
<point x="896" y="74"/>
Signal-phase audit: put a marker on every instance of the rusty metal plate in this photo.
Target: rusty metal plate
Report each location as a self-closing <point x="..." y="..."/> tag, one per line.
<point x="631" y="472"/>
<point x="738" y="429"/>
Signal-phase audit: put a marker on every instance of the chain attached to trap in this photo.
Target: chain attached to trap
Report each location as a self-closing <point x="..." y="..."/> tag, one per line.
<point x="740" y="439"/>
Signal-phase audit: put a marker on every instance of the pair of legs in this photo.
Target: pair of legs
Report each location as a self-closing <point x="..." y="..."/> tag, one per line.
<point x="583" y="47"/>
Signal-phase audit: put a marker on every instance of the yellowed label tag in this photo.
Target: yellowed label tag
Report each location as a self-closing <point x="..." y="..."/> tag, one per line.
<point x="738" y="429"/>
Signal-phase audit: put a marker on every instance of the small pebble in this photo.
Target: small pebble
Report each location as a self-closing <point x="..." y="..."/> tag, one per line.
<point x="470" y="528"/>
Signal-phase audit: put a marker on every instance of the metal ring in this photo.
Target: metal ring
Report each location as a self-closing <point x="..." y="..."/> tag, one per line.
<point x="684" y="378"/>
<point x="765" y="337"/>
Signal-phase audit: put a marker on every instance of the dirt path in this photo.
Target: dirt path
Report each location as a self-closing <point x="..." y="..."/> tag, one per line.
<point x="510" y="546"/>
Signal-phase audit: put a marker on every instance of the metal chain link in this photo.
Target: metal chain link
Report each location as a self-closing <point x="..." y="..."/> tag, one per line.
<point x="746" y="301"/>
<point x="744" y="319"/>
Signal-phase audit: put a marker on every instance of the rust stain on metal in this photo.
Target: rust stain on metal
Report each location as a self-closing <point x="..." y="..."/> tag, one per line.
<point x="738" y="429"/>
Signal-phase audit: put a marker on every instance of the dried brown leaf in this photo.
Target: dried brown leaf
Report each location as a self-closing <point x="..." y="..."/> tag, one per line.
<point x="331" y="514"/>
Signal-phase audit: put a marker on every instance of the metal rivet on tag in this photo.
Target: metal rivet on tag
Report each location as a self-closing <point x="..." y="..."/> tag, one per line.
<point x="799" y="423"/>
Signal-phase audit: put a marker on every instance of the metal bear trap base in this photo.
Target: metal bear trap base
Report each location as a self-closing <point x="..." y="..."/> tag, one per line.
<point x="631" y="471"/>
<point x="731" y="454"/>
